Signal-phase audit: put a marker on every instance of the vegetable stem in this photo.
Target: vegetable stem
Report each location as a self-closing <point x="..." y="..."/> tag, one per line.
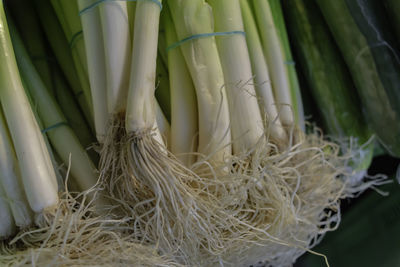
<point x="37" y="172"/>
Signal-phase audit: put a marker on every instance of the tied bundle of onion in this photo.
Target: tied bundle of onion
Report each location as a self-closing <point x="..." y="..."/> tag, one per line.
<point x="149" y="185"/>
<point x="278" y="187"/>
<point x="68" y="225"/>
<point x="243" y="183"/>
<point x="35" y="168"/>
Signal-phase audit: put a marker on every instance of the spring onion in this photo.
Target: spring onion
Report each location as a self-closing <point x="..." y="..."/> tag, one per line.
<point x="93" y="38"/>
<point x="245" y="116"/>
<point x="203" y="61"/>
<point x="184" y="116"/>
<point x="274" y="53"/>
<point x="262" y="79"/>
<point x="290" y="64"/>
<point x="37" y="172"/>
<point x="61" y="136"/>
<point x="10" y="178"/>
<point x="114" y="15"/>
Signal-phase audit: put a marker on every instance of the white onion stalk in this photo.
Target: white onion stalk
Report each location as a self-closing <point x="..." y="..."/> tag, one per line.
<point x="58" y="184"/>
<point x="37" y="172"/>
<point x="117" y="45"/>
<point x="274" y="54"/>
<point x="202" y="59"/>
<point x="246" y="121"/>
<point x="7" y="225"/>
<point x="153" y="186"/>
<point x="260" y="69"/>
<point x="184" y="116"/>
<point x="62" y="138"/>
<point x="141" y="108"/>
<point x="93" y="37"/>
<point x="10" y="178"/>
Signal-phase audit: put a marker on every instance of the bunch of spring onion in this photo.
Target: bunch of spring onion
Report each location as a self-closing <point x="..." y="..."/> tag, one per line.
<point x="67" y="225"/>
<point x="197" y="113"/>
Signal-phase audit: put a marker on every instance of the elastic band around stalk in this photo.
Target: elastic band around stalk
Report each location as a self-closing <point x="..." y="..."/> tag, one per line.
<point x="74" y="38"/>
<point x="54" y="126"/>
<point x="290" y="62"/>
<point x="95" y="4"/>
<point x="203" y="35"/>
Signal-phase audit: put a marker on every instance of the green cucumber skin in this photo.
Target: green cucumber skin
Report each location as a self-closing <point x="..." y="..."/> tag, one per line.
<point x="377" y="109"/>
<point x="370" y="19"/>
<point x="325" y="71"/>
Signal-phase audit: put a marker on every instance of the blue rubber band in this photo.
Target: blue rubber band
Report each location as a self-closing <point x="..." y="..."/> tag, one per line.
<point x="290" y="62"/>
<point x="202" y="35"/>
<point x="74" y="38"/>
<point x="52" y="127"/>
<point x="95" y="4"/>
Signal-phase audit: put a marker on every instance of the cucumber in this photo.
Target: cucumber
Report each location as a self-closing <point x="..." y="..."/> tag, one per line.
<point x="356" y="26"/>
<point x="326" y="73"/>
<point x="369" y="16"/>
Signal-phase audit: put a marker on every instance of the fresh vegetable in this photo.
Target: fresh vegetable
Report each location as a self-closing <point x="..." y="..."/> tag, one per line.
<point x="33" y="37"/>
<point x="233" y="181"/>
<point x="263" y="86"/>
<point x="94" y="45"/>
<point x="184" y="113"/>
<point x="245" y="116"/>
<point x="371" y="62"/>
<point x="274" y="52"/>
<point x="10" y="178"/>
<point x="140" y="110"/>
<point x="114" y="15"/>
<point x="203" y="62"/>
<point x="37" y="172"/>
<point x="327" y="75"/>
<point x="279" y="21"/>
<point x="61" y="135"/>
